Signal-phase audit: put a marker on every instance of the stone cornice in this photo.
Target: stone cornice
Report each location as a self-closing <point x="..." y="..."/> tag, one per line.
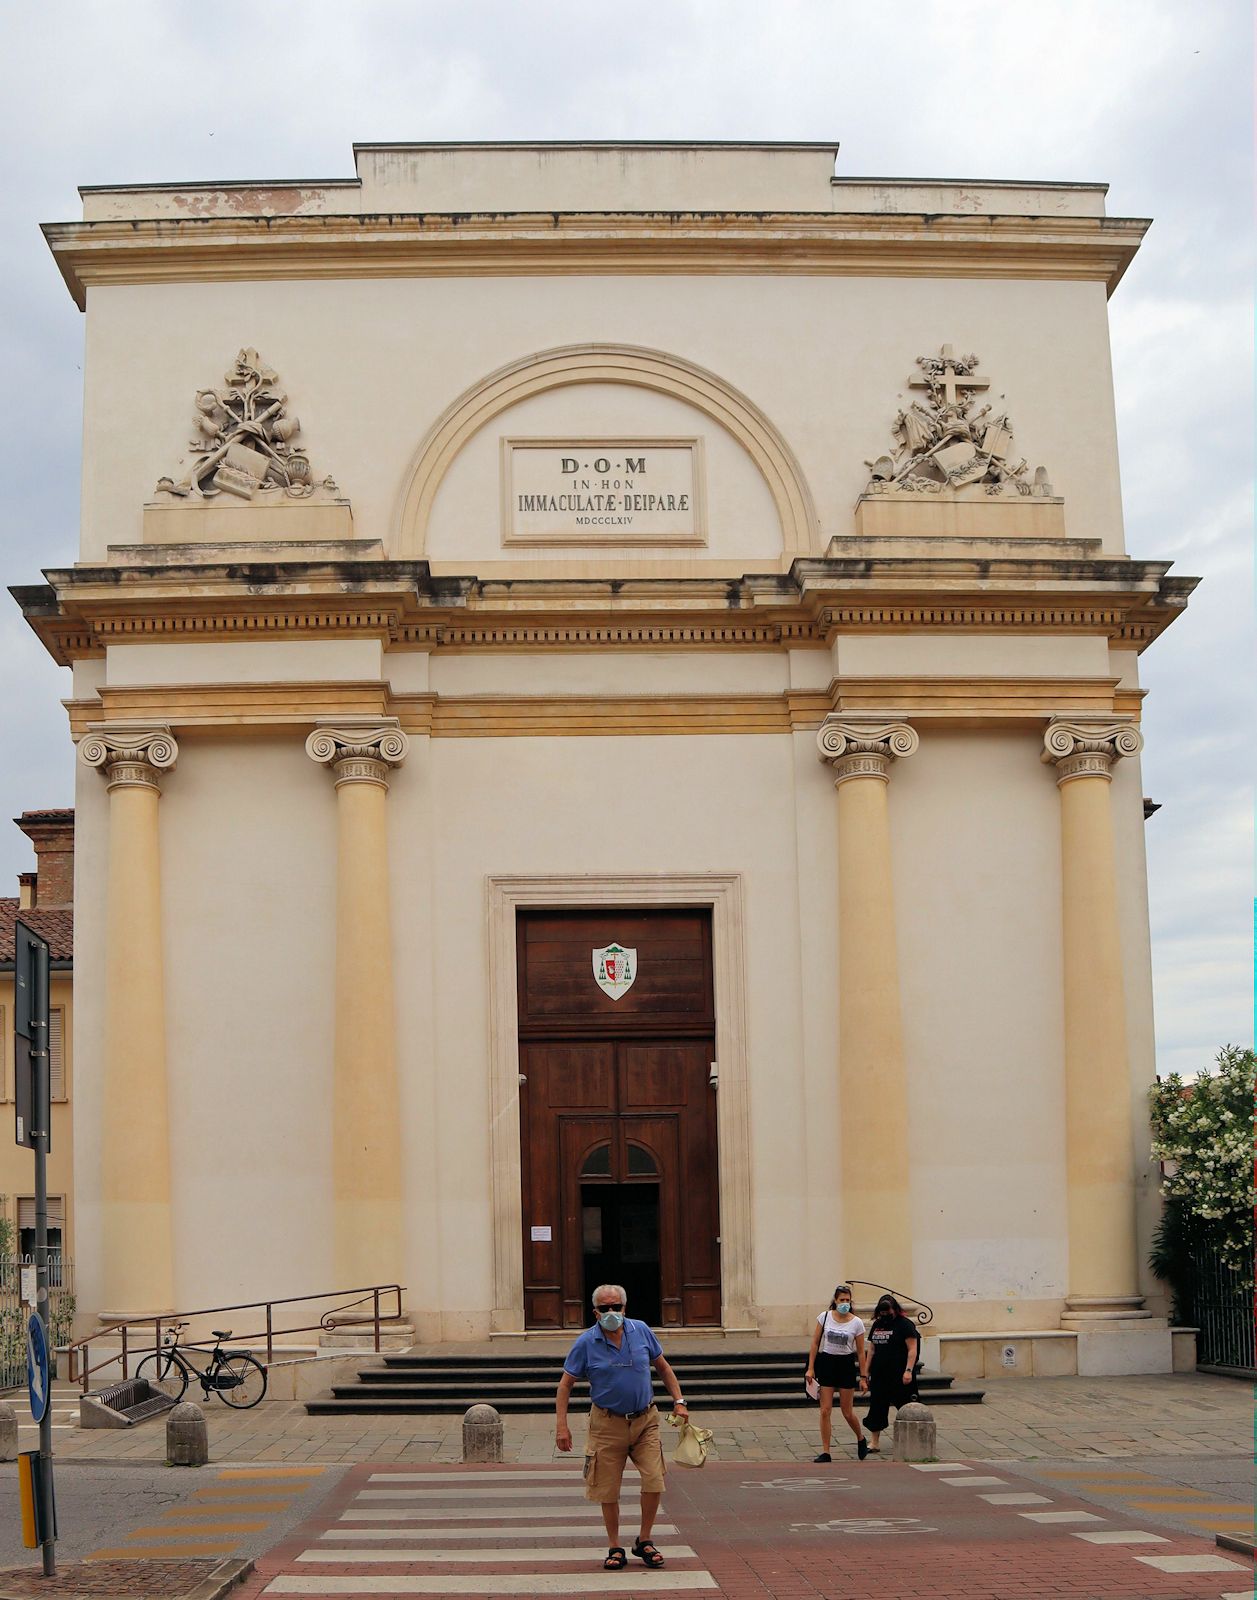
<point x="225" y="249"/>
<point x="83" y="609"/>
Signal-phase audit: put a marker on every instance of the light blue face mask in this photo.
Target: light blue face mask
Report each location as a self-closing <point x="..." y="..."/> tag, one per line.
<point x="844" y="1306"/>
<point x="609" y="1321"/>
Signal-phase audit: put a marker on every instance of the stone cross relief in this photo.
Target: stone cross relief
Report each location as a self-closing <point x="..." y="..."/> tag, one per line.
<point x="945" y="441"/>
<point x="243" y="440"/>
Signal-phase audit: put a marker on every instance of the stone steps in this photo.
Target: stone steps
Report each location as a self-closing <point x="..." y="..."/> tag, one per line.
<point x="745" y="1380"/>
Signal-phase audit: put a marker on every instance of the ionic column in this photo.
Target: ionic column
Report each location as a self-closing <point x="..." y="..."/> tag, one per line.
<point x="366" y="1141"/>
<point x="873" y="1094"/>
<point x="136" y="1243"/>
<point x="1100" y="1165"/>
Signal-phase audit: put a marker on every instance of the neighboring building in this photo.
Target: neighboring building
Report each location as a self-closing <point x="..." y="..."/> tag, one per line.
<point x="675" y="485"/>
<point x="45" y="902"/>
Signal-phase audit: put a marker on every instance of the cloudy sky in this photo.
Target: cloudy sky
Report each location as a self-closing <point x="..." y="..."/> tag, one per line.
<point x="1151" y="96"/>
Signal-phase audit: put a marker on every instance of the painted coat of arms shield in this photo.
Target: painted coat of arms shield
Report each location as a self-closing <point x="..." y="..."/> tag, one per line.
<point x="615" y="969"/>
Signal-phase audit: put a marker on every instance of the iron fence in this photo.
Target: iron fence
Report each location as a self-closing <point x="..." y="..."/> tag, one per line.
<point x="1222" y="1308"/>
<point x="14" y="1311"/>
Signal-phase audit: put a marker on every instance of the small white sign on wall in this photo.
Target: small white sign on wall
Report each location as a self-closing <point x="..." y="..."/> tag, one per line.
<point x="1009" y="1355"/>
<point x="540" y="1235"/>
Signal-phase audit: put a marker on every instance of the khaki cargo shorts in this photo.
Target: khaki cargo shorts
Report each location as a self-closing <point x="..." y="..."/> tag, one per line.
<point x="614" y="1440"/>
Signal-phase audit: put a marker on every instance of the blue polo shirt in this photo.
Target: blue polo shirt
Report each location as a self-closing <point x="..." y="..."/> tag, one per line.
<point x="619" y="1380"/>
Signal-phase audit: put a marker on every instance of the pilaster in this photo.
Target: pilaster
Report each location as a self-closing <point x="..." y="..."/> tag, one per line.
<point x="366" y="1144"/>
<point x="873" y="1095"/>
<point x="136" y="1234"/>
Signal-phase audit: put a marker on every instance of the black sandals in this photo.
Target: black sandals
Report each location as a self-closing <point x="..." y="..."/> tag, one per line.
<point x="616" y="1559"/>
<point x="645" y="1551"/>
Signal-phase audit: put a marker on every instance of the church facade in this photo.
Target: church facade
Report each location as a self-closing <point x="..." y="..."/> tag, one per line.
<point x="607" y="701"/>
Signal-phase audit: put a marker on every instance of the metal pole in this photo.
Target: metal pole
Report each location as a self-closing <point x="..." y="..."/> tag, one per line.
<point x="43" y="1119"/>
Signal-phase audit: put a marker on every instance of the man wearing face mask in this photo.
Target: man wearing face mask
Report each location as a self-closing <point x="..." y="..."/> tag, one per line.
<point x="617" y="1355"/>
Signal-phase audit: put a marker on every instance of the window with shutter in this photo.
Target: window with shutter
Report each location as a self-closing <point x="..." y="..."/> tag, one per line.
<point x="26" y="1211"/>
<point x="56" y="1232"/>
<point x="56" y="1053"/>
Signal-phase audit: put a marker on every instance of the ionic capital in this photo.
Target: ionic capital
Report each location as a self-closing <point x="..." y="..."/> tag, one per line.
<point x="359" y="752"/>
<point x="863" y="746"/>
<point x="130" y="755"/>
<point x="1087" y="747"/>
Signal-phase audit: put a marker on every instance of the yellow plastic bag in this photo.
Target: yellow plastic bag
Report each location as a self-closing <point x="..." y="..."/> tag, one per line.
<point x="692" y="1446"/>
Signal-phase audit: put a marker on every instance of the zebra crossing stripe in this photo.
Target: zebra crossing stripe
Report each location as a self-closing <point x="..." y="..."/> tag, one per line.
<point x="472" y="1513"/>
<point x="460" y="1493"/>
<point x="542" y="1583"/>
<point x="480" y="1557"/>
<point x="588" y="1530"/>
<point x="480" y="1480"/>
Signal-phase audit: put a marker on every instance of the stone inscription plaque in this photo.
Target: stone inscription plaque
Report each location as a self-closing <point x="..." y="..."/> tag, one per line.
<point x="602" y="491"/>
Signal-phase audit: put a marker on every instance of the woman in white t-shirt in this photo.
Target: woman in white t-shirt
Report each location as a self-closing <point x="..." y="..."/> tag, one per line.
<point x="836" y="1361"/>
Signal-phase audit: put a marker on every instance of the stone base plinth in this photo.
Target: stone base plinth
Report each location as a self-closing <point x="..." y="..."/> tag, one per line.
<point x="1124" y="1348"/>
<point x="225" y="520"/>
<point x="1184" y="1343"/>
<point x="959" y="515"/>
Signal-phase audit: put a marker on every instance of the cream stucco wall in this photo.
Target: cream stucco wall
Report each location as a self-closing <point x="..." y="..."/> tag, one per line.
<point x="824" y="358"/>
<point x="248" y="860"/>
<point x="372" y="363"/>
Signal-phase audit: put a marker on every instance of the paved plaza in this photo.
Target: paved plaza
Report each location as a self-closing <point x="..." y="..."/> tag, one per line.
<point x="1052" y="1487"/>
<point x="948" y="1530"/>
<point x="1021" y="1419"/>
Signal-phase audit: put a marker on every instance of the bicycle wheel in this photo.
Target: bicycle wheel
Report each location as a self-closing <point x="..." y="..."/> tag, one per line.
<point x="166" y="1372"/>
<point x="240" y="1381"/>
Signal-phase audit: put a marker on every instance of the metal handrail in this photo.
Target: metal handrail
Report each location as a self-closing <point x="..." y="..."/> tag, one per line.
<point x="79" y="1351"/>
<point x="923" y="1316"/>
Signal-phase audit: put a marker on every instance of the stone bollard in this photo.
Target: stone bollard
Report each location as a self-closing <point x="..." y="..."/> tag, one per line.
<point x="482" y="1434"/>
<point x="8" y="1432"/>
<point x="187" y="1442"/>
<point x="916" y="1433"/>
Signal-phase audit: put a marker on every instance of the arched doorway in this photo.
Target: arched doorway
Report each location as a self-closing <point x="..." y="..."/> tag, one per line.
<point x="620" y="1226"/>
<point x="618" y="1118"/>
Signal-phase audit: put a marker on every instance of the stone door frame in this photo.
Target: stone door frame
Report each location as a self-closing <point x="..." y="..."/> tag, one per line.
<point x="719" y="892"/>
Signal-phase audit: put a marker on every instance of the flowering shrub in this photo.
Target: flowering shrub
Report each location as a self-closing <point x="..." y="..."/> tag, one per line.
<point x="1203" y="1131"/>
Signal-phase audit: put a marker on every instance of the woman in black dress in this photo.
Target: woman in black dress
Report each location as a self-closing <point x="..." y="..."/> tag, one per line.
<point x="836" y="1361"/>
<point x="894" y="1344"/>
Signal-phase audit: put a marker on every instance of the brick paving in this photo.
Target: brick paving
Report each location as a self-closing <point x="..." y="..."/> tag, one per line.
<point x="123" y="1580"/>
<point x="773" y="1533"/>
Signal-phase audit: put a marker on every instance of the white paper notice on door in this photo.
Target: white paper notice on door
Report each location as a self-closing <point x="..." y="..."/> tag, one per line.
<point x="540" y="1235"/>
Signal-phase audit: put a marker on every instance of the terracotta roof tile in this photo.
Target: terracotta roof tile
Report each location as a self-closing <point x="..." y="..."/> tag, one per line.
<point x="54" y="923"/>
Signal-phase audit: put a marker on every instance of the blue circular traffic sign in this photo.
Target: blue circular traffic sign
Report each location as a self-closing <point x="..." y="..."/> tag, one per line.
<point x="37" y="1367"/>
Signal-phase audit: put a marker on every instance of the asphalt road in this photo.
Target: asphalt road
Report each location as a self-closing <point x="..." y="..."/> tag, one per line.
<point x="103" y="1507"/>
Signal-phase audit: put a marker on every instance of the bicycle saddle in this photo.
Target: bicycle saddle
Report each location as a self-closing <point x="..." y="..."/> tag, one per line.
<point x="221" y="1333"/>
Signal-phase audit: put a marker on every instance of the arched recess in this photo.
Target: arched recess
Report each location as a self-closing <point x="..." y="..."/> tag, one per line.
<point x="608" y="363"/>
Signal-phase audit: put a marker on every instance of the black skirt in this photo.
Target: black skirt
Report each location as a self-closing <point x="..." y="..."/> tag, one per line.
<point x="836" y="1372"/>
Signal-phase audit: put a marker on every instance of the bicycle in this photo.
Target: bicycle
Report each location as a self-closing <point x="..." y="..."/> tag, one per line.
<point x="237" y="1379"/>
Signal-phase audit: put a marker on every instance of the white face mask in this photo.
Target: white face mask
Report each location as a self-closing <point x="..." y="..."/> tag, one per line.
<point x="844" y="1305"/>
<point x="610" y="1320"/>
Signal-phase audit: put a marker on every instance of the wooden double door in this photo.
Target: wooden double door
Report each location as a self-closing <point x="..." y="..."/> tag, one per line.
<point x="618" y="1118"/>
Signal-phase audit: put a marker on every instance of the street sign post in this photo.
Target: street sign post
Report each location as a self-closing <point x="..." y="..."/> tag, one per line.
<point x="37" y="1366"/>
<point x="33" y="1111"/>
